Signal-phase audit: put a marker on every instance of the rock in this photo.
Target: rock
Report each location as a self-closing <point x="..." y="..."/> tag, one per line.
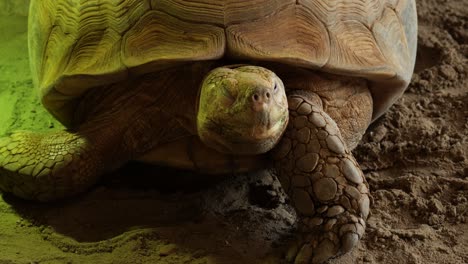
<point x="378" y="133"/>
<point x="368" y="259"/>
<point x="383" y="233"/>
<point x="448" y="72"/>
<point x="437" y="206"/>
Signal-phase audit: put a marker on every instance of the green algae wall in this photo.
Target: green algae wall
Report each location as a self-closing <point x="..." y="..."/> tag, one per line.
<point x="20" y="107"/>
<point x="14" y="7"/>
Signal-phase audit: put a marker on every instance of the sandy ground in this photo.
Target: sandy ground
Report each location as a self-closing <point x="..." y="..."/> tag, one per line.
<point x="414" y="157"/>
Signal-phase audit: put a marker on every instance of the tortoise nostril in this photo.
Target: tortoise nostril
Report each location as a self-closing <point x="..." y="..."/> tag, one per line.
<point x="261" y="97"/>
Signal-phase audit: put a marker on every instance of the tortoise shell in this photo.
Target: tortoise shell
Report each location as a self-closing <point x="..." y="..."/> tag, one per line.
<point x="78" y="45"/>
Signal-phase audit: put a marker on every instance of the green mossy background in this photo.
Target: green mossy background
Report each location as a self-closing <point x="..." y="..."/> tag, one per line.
<point x="14" y="7"/>
<point x="15" y="77"/>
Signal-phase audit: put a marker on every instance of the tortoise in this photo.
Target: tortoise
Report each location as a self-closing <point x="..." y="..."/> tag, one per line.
<point x="218" y="87"/>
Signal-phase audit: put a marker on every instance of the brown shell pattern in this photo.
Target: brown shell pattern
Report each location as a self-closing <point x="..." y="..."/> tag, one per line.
<point x="79" y="44"/>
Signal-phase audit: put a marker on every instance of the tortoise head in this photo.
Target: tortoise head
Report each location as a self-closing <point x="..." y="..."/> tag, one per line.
<point x="242" y="110"/>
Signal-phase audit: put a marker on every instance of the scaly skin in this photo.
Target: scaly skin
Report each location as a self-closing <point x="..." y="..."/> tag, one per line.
<point x="48" y="165"/>
<point x="324" y="182"/>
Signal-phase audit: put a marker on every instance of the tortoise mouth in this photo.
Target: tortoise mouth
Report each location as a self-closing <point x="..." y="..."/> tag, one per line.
<point x="264" y="130"/>
<point x="258" y="139"/>
<point x="241" y="147"/>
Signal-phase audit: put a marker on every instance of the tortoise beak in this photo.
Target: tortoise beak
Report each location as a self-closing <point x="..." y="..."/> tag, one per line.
<point x="262" y="128"/>
<point x="267" y="114"/>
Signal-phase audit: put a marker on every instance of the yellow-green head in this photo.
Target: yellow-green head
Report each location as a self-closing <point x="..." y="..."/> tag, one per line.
<point x="242" y="109"/>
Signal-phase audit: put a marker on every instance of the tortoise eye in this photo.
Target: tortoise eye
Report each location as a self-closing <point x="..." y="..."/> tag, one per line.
<point x="276" y="87"/>
<point x="229" y="95"/>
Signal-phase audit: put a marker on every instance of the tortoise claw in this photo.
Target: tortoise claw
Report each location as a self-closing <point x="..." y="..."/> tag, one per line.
<point x="348" y="242"/>
<point x="312" y="251"/>
<point x="324" y="251"/>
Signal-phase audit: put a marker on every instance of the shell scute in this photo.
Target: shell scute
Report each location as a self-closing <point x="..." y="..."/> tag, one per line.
<point x="80" y="44"/>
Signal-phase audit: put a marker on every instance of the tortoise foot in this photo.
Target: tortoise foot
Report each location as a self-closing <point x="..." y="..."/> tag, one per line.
<point x="323" y="236"/>
<point x="37" y="166"/>
<point x="324" y="182"/>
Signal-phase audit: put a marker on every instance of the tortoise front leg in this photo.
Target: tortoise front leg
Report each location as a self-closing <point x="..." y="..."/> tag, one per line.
<point x="323" y="180"/>
<point x="47" y="166"/>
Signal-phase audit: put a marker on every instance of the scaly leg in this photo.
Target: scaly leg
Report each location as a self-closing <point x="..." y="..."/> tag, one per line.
<point x="45" y="166"/>
<point x="323" y="180"/>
